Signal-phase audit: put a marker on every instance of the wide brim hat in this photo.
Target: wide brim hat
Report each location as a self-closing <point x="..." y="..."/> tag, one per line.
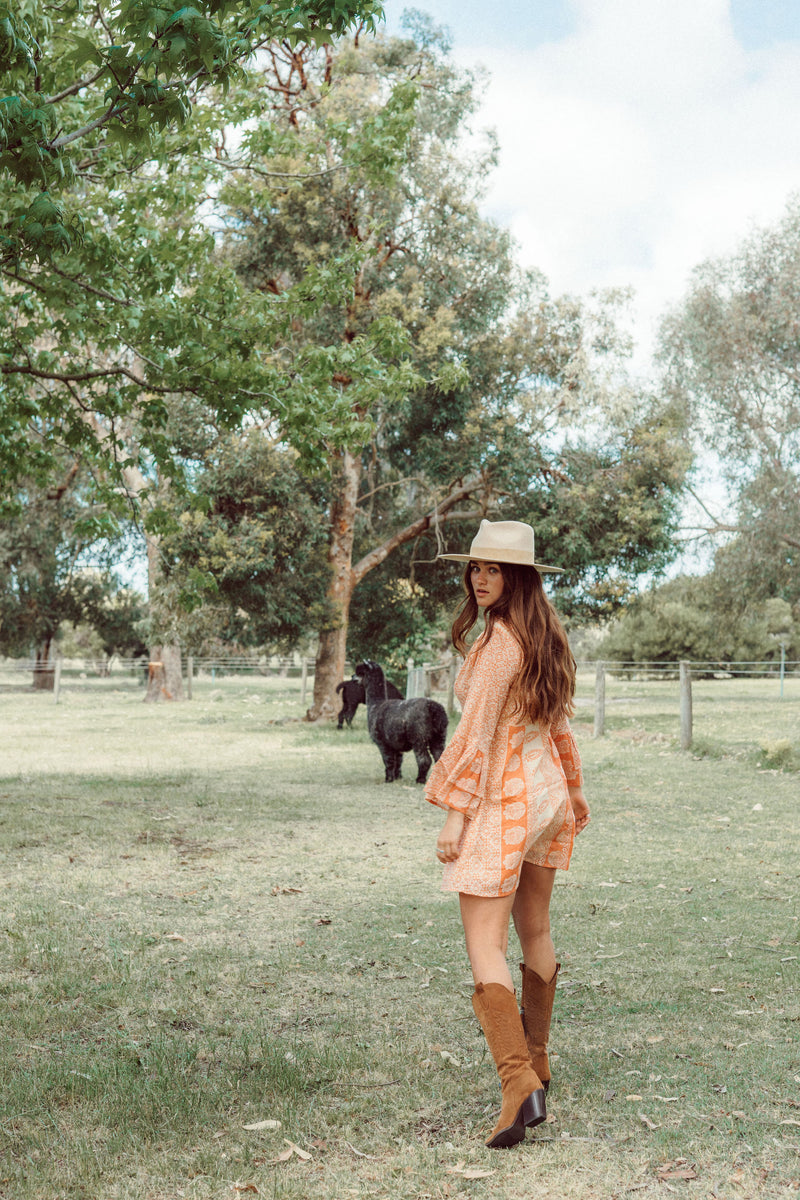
<point x="504" y="542"/>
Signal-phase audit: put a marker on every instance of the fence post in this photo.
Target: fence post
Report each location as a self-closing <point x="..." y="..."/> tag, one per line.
<point x="600" y="700"/>
<point x="410" y="679"/>
<point x="304" y="680"/>
<point x="57" y="678"/>
<point x="783" y="665"/>
<point x="189" y="675"/>
<point x="686" y="705"/>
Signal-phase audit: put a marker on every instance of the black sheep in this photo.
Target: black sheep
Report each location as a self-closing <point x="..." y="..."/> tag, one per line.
<point x="353" y="694"/>
<point x="396" y="726"/>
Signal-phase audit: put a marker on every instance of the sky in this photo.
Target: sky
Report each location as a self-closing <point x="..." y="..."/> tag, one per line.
<point x="637" y="137"/>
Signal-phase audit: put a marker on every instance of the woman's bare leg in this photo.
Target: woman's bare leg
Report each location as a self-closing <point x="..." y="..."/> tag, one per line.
<point x="485" y="920"/>
<point x="531" y="913"/>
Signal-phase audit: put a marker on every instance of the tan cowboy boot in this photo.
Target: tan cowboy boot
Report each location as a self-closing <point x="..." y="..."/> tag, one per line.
<point x="523" y="1095"/>
<point x="537" y="1010"/>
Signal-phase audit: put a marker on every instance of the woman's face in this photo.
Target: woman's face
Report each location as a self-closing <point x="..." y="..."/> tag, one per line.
<point x="486" y="579"/>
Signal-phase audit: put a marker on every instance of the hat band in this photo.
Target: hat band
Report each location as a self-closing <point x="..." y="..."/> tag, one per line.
<point x="522" y="558"/>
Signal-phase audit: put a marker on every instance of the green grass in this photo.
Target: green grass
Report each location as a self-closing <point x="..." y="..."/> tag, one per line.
<point x="209" y="920"/>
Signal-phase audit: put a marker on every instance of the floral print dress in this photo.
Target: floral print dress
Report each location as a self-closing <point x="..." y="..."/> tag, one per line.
<point x="510" y="779"/>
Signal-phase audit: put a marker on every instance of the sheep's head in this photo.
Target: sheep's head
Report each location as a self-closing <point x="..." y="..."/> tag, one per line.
<point x="368" y="670"/>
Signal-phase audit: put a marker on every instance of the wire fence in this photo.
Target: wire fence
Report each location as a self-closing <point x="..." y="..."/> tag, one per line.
<point x="292" y="677"/>
<point x="708" y="668"/>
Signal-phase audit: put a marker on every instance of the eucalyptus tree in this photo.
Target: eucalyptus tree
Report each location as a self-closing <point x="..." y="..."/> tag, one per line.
<point x="365" y="155"/>
<point x="731" y="353"/>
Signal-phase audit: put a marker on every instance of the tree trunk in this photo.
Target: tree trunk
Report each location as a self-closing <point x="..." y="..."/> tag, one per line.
<point x="164" y="676"/>
<point x="332" y="650"/>
<point x="333" y="642"/>
<point x="43" y="672"/>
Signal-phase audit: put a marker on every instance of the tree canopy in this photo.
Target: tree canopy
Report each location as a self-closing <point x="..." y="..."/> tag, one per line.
<point x="85" y="85"/>
<point x="301" y="276"/>
<point x="731" y="353"/>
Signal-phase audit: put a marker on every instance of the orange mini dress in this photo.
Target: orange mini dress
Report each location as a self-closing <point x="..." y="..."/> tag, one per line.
<point x="510" y="779"/>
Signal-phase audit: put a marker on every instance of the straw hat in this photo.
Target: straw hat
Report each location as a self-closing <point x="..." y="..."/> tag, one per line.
<point x="504" y="542"/>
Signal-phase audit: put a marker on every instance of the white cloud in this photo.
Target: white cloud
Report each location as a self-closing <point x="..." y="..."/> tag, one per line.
<point x="642" y="143"/>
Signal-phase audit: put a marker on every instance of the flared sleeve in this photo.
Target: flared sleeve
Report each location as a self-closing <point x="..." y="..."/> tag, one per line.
<point x="564" y="741"/>
<point x="459" y="779"/>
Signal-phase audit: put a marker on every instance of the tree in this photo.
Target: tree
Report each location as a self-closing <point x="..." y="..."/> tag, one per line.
<point x="43" y="579"/>
<point x="103" y="345"/>
<point x="498" y="368"/>
<point x="83" y="80"/>
<point x="107" y="315"/>
<point x="693" y="617"/>
<point x="731" y="355"/>
<point x="252" y="545"/>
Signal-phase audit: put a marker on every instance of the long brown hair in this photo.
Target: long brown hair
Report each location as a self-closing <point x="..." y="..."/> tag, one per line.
<point x="544" y="689"/>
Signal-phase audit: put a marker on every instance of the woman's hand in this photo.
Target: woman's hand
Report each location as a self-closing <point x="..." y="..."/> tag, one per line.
<point x="447" y="843"/>
<point x="580" y="808"/>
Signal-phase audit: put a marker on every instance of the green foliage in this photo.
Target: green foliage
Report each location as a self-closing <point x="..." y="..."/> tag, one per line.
<point x="778" y="754"/>
<point x="607" y="514"/>
<point x="732" y="361"/>
<point x="43" y="541"/>
<point x="392" y="619"/>
<point x="695" y="618"/>
<point x="253" y="552"/>
<point x="108" y="76"/>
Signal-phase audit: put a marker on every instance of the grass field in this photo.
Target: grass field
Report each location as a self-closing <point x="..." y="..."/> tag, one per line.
<point x="212" y="922"/>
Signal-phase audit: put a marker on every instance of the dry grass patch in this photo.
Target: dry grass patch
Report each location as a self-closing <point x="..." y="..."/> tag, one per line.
<point x="210" y="922"/>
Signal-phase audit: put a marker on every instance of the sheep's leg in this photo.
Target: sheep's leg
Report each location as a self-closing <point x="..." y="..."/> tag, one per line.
<point x="423" y="763"/>
<point x="393" y="760"/>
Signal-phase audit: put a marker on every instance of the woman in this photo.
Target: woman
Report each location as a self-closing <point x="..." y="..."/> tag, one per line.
<point x="511" y="783"/>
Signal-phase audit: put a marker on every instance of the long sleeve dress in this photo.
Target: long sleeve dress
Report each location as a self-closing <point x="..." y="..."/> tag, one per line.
<point x="510" y="779"/>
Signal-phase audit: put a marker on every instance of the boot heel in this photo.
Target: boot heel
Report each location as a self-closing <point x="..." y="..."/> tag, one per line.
<point x="534" y="1110"/>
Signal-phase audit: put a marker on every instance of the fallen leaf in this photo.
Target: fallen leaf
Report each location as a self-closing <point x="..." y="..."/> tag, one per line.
<point x="468" y="1172"/>
<point x="323" y="921"/>
<point x="679" y="1169"/>
<point x="246" y="1187"/>
<point x="646" y="1121"/>
<point x="284" y="1156"/>
<point x="633" y="1098"/>
<point x="268" y="1124"/>
<point x="295" y="1149"/>
<point x="285" y="891"/>
<point x="450" y="1058"/>
<point x="360" y="1153"/>
<point x="789" y="1121"/>
<point x="173" y="937"/>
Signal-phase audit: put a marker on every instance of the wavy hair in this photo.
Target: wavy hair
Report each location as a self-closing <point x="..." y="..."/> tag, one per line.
<point x="544" y="689"/>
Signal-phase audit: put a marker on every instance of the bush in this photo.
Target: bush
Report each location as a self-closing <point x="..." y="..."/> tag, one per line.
<point x="778" y="754"/>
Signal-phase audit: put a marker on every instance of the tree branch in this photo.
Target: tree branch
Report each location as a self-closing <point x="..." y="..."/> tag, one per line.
<point x="382" y="552"/>
<point x="79" y="377"/>
<point x="76" y="87"/>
